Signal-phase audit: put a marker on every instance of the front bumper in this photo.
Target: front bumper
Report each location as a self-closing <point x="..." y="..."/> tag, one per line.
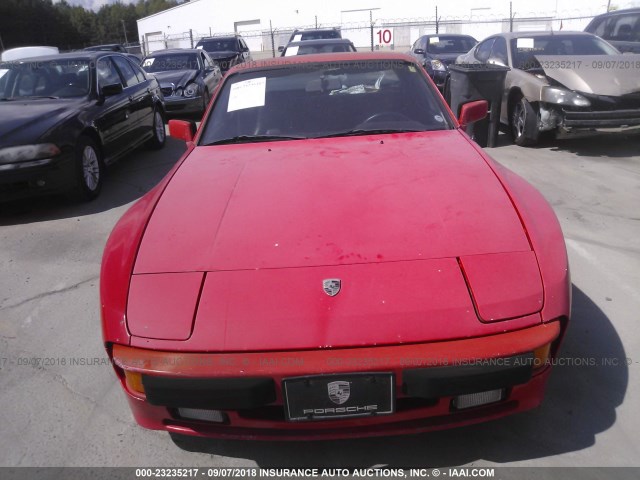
<point x="37" y="177"/>
<point x="183" y="105"/>
<point x="420" y="405"/>
<point x="606" y="113"/>
<point x="601" y="119"/>
<point x="439" y="77"/>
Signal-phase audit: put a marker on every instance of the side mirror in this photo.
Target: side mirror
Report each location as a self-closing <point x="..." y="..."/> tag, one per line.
<point x="497" y="61"/>
<point x="113" y="89"/>
<point x="281" y="49"/>
<point x="472" y="112"/>
<point x="182" y="130"/>
<point x="418" y="51"/>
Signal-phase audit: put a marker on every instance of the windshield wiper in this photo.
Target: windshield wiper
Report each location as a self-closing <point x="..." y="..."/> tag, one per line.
<point x="377" y="131"/>
<point x="252" y="138"/>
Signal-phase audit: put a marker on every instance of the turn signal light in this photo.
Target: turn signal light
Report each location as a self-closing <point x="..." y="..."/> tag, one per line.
<point x="134" y="381"/>
<point x="541" y="356"/>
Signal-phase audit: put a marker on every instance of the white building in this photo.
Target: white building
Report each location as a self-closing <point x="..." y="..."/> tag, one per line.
<point x="183" y="25"/>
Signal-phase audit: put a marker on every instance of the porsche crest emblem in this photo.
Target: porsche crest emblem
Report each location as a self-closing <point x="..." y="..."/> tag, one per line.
<point x="339" y="391"/>
<point x="331" y="286"/>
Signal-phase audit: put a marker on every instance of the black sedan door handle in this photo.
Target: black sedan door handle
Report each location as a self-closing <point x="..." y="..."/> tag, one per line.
<point x="130" y="98"/>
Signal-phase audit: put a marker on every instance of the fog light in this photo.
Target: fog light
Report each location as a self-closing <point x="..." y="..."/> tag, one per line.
<point x="204" y="415"/>
<point x="134" y="381"/>
<point x="477" y="399"/>
<point x="41" y="183"/>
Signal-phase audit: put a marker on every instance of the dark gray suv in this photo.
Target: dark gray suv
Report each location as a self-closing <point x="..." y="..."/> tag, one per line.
<point x="621" y="28"/>
<point x="228" y="51"/>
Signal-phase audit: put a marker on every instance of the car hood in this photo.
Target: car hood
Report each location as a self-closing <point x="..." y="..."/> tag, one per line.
<point x="223" y="55"/>
<point x="612" y="75"/>
<point x="332" y="201"/>
<point x="26" y="121"/>
<point x="177" y="77"/>
<point x="237" y="252"/>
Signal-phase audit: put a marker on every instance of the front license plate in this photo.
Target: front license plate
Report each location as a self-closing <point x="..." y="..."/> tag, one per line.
<point x="323" y="397"/>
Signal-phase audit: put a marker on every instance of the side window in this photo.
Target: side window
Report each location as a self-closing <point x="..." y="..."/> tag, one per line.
<point x="484" y="50"/>
<point x="499" y="50"/>
<point x="625" y="28"/>
<point x="600" y="29"/>
<point x="242" y="44"/>
<point x="208" y="63"/>
<point x="126" y="70"/>
<point x="139" y="72"/>
<point x="107" y="73"/>
<point x="416" y="45"/>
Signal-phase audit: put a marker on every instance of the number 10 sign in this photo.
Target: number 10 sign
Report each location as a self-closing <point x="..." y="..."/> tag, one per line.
<point x="384" y="36"/>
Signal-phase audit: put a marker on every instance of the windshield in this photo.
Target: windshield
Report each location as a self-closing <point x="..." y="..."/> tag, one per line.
<point x="178" y="61"/>
<point x="228" y="45"/>
<point x="318" y="48"/>
<point x="314" y="100"/>
<point x="61" y="78"/>
<point x="449" y="44"/>
<point x="314" y="35"/>
<point x="524" y="49"/>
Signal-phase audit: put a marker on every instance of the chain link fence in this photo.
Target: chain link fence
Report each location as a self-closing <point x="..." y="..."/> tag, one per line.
<point x="389" y="34"/>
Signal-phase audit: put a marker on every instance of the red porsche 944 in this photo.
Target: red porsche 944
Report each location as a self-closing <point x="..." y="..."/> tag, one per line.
<point x="333" y="256"/>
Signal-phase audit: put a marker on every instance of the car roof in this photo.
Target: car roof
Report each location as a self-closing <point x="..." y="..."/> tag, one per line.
<point x="618" y="12"/>
<point x="78" y="55"/>
<point x="320" y="41"/>
<point x="106" y="45"/>
<point x="447" y="35"/>
<point x="349" y="57"/>
<point x="221" y="37"/>
<point x="321" y="29"/>
<point x="563" y="33"/>
<point x="174" y="50"/>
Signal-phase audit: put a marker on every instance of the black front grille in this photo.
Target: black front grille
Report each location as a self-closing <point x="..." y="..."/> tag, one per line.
<point x="209" y="393"/>
<point x="602" y="118"/>
<point x="601" y="103"/>
<point x="460" y="380"/>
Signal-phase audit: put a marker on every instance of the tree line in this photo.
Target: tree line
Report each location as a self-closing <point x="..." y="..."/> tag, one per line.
<point x="42" y="22"/>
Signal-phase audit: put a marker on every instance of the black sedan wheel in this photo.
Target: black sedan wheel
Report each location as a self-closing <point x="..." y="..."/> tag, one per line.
<point x="89" y="170"/>
<point x="524" y="123"/>
<point x="159" y="133"/>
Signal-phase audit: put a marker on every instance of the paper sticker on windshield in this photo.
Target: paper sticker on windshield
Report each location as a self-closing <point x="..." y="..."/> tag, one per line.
<point x="199" y="47"/>
<point x="297" y="38"/>
<point x="524" y="42"/>
<point x="412" y="69"/>
<point x="148" y="62"/>
<point x="434" y="39"/>
<point x="247" y="94"/>
<point x="291" y="52"/>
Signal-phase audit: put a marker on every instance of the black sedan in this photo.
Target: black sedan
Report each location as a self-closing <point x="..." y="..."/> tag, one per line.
<point x="325" y="45"/>
<point x="437" y="52"/>
<point x="64" y="117"/>
<point x="187" y="77"/>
